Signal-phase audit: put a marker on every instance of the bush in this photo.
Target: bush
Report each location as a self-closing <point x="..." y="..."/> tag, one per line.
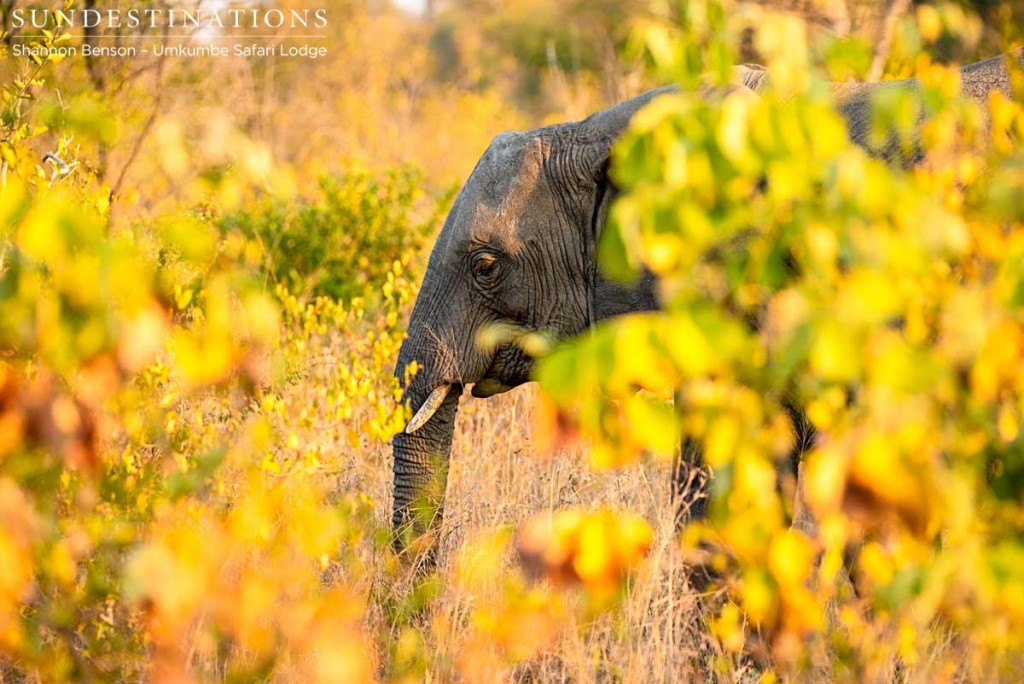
<point x="158" y="516"/>
<point x="797" y="268"/>
<point x="343" y="242"/>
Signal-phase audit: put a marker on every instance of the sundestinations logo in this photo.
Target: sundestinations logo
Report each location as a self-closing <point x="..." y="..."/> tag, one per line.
<point x="194" y="32"/>
<point x="170" y="18"/>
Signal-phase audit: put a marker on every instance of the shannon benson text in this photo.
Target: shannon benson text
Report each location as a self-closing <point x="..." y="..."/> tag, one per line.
<point x="43" y="52"/>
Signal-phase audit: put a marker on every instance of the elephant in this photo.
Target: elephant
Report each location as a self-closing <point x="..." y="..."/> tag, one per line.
<point x="519" y="246"/>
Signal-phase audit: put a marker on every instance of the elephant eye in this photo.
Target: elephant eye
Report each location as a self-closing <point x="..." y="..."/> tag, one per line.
<point x="485" y="264"/>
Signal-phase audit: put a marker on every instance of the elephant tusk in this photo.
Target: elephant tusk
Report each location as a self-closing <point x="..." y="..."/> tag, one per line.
<point x="428" y="409"/>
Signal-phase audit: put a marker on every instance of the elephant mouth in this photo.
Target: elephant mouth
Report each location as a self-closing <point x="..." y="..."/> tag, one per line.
<point x="488" y="387"/>
<point x="509" y="369"/>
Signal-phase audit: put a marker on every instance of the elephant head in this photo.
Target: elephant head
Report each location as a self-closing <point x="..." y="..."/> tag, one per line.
<point x="518" y="248"/>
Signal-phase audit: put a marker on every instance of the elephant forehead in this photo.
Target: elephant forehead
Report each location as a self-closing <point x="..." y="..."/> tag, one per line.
<point x="508" y="184"/>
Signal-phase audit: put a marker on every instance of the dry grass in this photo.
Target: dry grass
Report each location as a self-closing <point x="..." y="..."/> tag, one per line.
<point x="659" y="633"/>
<point x="496" y="481"/>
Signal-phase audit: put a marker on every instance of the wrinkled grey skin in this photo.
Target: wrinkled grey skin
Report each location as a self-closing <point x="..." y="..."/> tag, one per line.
<point x="977" y="81"/>
<point x="519" y="245"/>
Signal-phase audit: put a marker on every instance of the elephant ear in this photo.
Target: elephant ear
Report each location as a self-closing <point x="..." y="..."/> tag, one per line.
<point x="599" y="132"/>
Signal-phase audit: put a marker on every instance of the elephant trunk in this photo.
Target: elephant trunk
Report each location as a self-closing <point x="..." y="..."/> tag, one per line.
<point x="422" y="451"/>
<point x="421" y="473"/>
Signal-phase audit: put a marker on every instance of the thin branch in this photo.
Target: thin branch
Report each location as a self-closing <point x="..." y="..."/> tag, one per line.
<point x="841" y="22"/>
<point x="884" y="44"/>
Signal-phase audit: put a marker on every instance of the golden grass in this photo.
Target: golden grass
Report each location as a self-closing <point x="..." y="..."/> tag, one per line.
<point x="496" y="481"/>
<point x="659" y="633"/>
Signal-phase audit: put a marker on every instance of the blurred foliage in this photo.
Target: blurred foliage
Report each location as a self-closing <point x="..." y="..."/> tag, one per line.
<point x="595" y="549"/>
<point x="526" y="48"/>
<point x="155" y="523"/>
<point x="796" y="269"/>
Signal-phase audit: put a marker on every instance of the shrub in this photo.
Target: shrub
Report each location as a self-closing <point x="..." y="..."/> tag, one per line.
<point x="155" y="519"/>
<point x="344" y="241"/>
<point x="797" y="268"/>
